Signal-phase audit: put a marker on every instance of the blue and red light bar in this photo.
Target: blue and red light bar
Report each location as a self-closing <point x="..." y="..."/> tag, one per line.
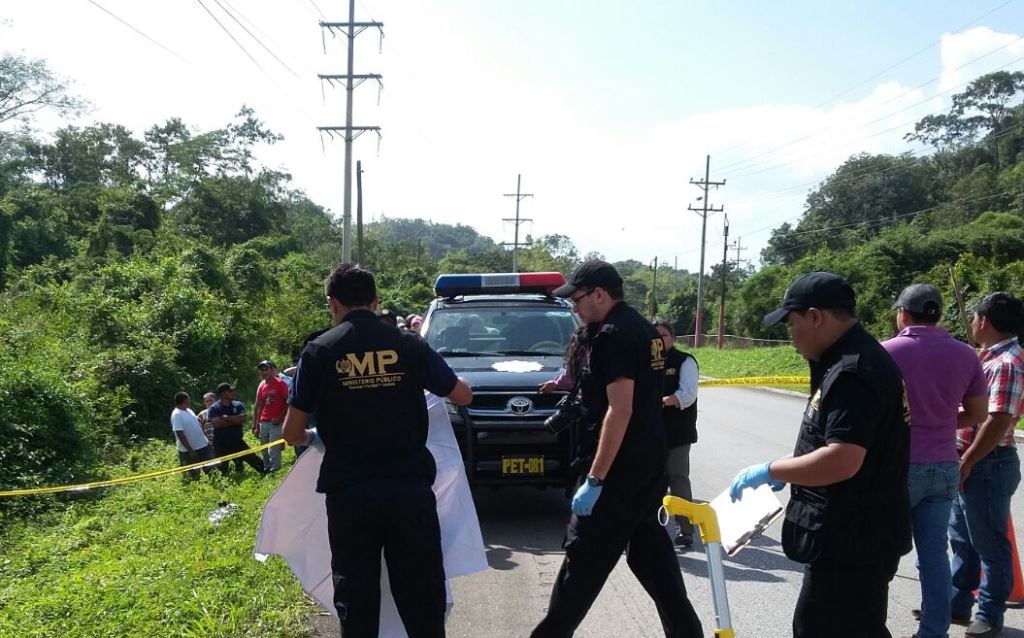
<point x="498" y="283"/>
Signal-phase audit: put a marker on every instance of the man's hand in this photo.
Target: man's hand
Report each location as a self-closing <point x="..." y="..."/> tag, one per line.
<point x="585" y="498"/>
<point x="965" y="471"/>
<point x="256" y="429"/>
<point x="547" y="387"/>
<point x="671" y="401"/>
<point x="754" y="476"/>
<point x="313" y="440"/>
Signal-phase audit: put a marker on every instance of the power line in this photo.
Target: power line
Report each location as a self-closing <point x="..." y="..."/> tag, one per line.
<point x="880" y="220"/>
<point x="889" y="68"/>
<point x="313" y="2"/>
<point x="233" y="39"/>
<point x="258" y="41"/>
<point x="749" y="162"/>
<point x="140" y="32"/>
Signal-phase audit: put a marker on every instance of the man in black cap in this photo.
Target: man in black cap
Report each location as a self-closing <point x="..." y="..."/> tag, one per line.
<point x="365" y="381"/>
<point x="615" y="509"/>
<point x="848" y="516"/>
<point x="227" y="417"/>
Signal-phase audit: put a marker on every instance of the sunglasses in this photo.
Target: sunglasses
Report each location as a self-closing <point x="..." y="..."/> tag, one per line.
<point x="576" y="300"/>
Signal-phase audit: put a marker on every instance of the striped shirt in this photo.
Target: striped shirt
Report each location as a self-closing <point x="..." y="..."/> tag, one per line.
<point x="1003" y="364"/>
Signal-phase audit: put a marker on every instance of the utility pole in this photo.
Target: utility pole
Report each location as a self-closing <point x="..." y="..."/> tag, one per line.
<point x="705" y="185"/>
<point x="739" y="249"/>
<point x="654" y="291"/>
<point x="721" y="301"/>
<point x="359" y="211"/>
<point x="520" y="196"/>
<point x="351" y="29"/>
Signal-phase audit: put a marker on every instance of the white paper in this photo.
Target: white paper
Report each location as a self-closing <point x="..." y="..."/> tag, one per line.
<point x="294" y="524"/>
<point x="747" y="518"/>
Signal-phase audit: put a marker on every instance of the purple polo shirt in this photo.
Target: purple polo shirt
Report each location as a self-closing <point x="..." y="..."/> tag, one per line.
<point x="939" y="372"/>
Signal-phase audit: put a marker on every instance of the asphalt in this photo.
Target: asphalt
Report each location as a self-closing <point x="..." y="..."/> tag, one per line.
<point x="523" y="531"/>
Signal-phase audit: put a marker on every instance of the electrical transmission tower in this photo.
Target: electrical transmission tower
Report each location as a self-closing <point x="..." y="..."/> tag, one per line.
<point x="517" y="220"/>
<point x="350" y="29"/>
<point x="705" y="185"/>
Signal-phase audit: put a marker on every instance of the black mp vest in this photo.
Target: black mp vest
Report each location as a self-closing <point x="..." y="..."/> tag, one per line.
<point x="371" y="411"/>
<point x="680" y="425"/>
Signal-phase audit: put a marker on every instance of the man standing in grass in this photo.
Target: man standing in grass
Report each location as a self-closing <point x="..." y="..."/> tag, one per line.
<point x="268" y="415"/>
<point x="227" y="417"/>
<point x="192" y="444"/>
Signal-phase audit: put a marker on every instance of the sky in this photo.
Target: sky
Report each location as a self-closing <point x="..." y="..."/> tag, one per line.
<point x="606" y="109"/>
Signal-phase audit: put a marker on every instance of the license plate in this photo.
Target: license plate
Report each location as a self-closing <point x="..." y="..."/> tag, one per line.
<point x="522" y="465"/>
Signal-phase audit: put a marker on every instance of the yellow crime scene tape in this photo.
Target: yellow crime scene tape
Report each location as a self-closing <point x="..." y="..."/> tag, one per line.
<point x="712" y="383"/>
<point x="124" y="480"/>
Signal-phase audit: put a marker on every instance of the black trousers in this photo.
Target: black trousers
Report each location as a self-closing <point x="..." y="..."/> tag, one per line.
<point x="624" y="518"/>
<point x="407" y="530"/>
<point x="842" y="601"/>
<point x="230" y="446"/>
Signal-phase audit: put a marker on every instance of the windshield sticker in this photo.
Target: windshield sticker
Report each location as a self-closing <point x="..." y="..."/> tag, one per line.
<point x="517" y="366"/>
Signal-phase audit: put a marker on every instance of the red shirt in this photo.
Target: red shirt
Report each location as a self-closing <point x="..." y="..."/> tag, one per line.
<point x="274" y="394"/>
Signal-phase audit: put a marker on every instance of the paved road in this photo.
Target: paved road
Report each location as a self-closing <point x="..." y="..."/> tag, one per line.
<point x="523" y="532"/>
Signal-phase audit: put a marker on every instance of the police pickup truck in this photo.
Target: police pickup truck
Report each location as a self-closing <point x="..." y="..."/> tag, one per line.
<point x="505" y="334"/>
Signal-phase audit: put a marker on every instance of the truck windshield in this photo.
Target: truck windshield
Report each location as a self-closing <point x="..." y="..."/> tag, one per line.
<point x="496" y="331"/>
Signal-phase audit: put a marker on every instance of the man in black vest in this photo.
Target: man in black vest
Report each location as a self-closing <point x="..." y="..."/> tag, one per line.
<point x="680" y="416"/>
<point x="364" y="380"/>
<point x="848" y="516"/>
<point x="615" y="509"/>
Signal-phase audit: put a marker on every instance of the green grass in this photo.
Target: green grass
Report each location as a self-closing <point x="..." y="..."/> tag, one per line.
<point x="142" y="560"/>
<point x="751" y="362"/>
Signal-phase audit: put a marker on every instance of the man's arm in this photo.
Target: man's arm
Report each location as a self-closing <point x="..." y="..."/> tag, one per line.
<point x="833" y="463"/>
<point x="294" y="431"/>
<point x="256" y="416"/>
<point x="613" y="428"/>
<point x="184" y="441"/>
<point x="987" y="439"/>
<point x="461" y="394"/>
<point x="975" y="411"/>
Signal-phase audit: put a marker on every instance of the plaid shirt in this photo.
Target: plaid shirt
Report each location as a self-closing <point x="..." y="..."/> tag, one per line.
<point x="1004" y="369"/>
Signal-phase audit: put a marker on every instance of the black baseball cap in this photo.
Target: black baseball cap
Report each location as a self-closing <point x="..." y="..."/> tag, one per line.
<point x="817" y="289"/>
<point x="224" y="387"/>
<point x="266" y="363"/>
<point x="923" y="299"/>
<point x="594" y="273"/>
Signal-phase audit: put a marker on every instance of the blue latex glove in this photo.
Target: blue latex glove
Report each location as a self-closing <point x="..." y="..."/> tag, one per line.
<point x="753" y="477"/>
<point x="585" y="498"/>
<point x="315" y="440"/>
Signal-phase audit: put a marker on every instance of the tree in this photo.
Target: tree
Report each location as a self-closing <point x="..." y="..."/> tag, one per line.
<point x="984" y="106"/>
<point x="28" y="86"/>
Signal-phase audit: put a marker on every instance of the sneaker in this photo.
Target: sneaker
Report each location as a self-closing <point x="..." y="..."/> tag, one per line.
<point x="954" y="620"/>
<point x="981" y="629"/>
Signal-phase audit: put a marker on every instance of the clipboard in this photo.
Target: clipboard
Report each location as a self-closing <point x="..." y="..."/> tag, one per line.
<point x="747" y="518"/>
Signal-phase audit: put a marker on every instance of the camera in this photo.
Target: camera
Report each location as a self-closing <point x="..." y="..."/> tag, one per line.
<point x="569" y="412"/>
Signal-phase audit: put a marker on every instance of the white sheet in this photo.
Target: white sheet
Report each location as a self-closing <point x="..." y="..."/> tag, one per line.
<point x="294" y="523"/>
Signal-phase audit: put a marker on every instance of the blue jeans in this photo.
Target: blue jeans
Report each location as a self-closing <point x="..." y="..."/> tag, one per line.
<point x="977" y="532"/>
<point x="932" y="488"/>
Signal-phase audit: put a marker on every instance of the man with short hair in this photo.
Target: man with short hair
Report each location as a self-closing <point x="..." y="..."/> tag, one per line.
<point x="941" y="375"/>
<point x="615" y="509"/>
<point x="227" y="417"/>
<point x="989" y="471"/>
<point x="208" y="399"/>
<point x="268" y="415"/>
<point x="365" y="380"/>
<point x="188" y="434"/>
<point x="848" y="516"/>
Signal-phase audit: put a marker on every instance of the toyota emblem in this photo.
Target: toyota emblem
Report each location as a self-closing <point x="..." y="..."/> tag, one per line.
<point x="520" y="405"/>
